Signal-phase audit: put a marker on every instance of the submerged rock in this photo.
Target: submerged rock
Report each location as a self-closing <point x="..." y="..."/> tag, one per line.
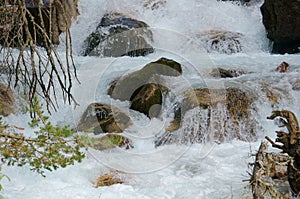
<point x="224" y="73"/>
<point x="225" y="114"/>
<point x="281" y="19"/>
<point x="154" y="4"/>
<point x="103" y="118"/>
<point x="220" y="41"/>
<point x="7" y="101"/>
<point x="119" y="35"/>
<point x="282" y="68"/>
<point x="110" y="141"/>
<point x="295" y="84"/>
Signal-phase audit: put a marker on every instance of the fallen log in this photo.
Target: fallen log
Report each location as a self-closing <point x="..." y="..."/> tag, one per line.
<point x="290" y="144"/>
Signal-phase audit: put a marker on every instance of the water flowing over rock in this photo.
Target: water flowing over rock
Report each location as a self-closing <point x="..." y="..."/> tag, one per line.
<point x="282" y="22"/>
<point x="212" y="114"/>
<point x="103" y="118"/>
<point x="7" y="101"/>
<point x="119" y="35"/>
<point x="221" y="41"/>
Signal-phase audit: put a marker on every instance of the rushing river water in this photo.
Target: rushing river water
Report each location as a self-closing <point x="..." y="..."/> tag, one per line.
<point x="210" y="170"/>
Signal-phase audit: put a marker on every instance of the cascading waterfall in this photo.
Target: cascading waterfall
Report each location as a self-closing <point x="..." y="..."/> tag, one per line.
<point x="201" y="35"/>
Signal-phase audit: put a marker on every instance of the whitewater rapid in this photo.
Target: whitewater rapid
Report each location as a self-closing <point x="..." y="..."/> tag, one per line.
<point x="210" y="170"/>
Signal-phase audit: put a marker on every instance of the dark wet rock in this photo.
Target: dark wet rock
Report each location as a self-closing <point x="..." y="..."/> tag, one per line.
<point x="224" y="73"/>
<point x="7" y="101"/>
<point x="124" y="87"/>
<point x="119" y="35"/>
<point x="283" y="67"/>
<point x="281" y="19"/>
<point x="220" y="41"/>
<point x="103" y="118"/>
<point x="148" y="99"/>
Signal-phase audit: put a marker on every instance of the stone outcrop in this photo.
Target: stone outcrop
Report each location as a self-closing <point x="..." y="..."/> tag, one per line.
<point x="281" y="19"/>
<point x="119" y="35"/>
<point x="103" y="118"/>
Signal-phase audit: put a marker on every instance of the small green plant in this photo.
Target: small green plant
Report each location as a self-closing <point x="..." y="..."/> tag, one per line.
<point x="53" y="146"/>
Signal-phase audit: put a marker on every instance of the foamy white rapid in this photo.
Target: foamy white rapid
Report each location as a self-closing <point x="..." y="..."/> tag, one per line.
<point x="208" y="170"/>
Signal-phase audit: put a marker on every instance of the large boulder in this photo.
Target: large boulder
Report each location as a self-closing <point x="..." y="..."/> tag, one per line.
<point x="103" y="118"/>
<point x="145" y="94"/>
<point x="119" y="35"/>
<point x="7" y="101"/>
<point x="219" y="115"/>
<point x="282" y="22"/>
<point x="124" y="87"/>
<point x="221" y="41"/>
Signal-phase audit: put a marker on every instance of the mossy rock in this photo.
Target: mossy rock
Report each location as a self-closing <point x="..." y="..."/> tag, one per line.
<point x="220" y="41"/>
<point x="119" y="35"/>
<point x="110" y="141"/>
<point x="148" y="99"/>
<point x="124" y="87"/>
<point x="103" y="118"/>
<point x="7" y="101"/>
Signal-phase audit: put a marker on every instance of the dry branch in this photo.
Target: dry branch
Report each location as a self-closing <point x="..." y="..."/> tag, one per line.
<point x="290" y="145"/>
<point x="257" y="169"/>
<point x="26" y="25"/>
